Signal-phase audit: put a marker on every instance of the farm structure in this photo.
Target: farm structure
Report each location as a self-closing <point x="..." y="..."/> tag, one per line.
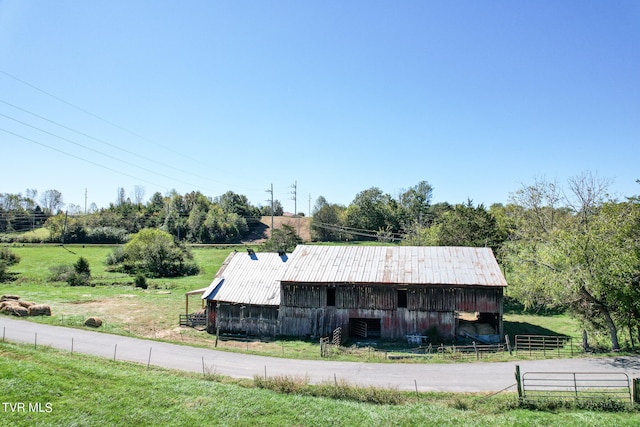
<point x="244" y="297"/>
<point x="391" y="292"/>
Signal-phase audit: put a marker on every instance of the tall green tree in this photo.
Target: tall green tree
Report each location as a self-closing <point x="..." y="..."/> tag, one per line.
<point x="372" y="211"/>
<point x="155" y="253"/>
<point x="327" y="221"/>
<point x="575" y="249"/>
<point x="463" y="225"/>
<point x="282" y="239"/>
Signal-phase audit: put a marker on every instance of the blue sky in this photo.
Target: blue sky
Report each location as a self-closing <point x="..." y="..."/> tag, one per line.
<point x="475" y="97"/>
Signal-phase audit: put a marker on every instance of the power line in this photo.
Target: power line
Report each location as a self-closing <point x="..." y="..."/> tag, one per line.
<point x="100" y="140"/>
<point x="78" y="157"/>
<point x="94" y="150"/>
<point x="83" y="110"/>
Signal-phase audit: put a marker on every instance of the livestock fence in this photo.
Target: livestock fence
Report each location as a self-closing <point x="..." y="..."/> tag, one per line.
<point x="545" y="345"/>
<point x="533" y="346"/>
<point x="193" y="320"/>
<point x="577" y="386"/>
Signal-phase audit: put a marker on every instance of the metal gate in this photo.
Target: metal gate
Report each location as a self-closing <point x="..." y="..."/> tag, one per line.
<point x="574" y="385"/>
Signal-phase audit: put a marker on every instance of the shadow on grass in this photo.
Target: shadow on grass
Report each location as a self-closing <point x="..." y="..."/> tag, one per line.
<point x="523" y="328"/>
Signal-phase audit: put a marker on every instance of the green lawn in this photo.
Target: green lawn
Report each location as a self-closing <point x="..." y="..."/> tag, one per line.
<point x="63" y="389"/>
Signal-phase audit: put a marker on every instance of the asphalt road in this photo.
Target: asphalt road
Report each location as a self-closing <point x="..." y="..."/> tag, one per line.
<point x="458" y="377"/>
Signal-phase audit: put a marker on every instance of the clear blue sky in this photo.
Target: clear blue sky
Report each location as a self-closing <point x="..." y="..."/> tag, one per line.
<point x="475" y="97"/>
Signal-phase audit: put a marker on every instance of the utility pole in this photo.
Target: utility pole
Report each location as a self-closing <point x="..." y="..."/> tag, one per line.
<point x="294" y="198"/>
<point x="271" y="191"/>
<point x="85" y="200"/>
<point x="309" y="205"/>
<point x="294" y="193"/>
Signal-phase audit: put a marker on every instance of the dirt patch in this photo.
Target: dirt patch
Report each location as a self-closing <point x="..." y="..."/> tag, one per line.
<point x="300" y="224"/>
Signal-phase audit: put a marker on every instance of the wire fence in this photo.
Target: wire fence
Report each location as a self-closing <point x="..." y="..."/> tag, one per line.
<point x="528" y="346"/>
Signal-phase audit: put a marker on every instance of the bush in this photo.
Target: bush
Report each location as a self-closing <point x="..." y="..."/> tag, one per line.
<point x="76" y="279"/>
<point x="60" y="273"/>
<point x="154" y="253"/>
<point x="82" y="266"/>
<point x="8" y="257"/>
<point x="116" y="256"/>
<point x="107" y="235"/>
<point x="141" y="281"/>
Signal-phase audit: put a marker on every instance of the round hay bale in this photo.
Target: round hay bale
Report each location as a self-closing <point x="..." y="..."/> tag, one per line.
<point x="9" y="298"/>
<point x="40" y="310"/>
<point x="94" y="322"/>
<point x="466" y="328"/>
<point x="16" y="310"/>
<point x="7" y="303"/>
<point x="485" y="329"/>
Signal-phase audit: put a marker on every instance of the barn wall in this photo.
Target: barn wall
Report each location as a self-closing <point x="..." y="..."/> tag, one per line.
<point x="395" y="324"/>
<point x="252" y="319"/>
<point x="304" y="312"/>
<point x="483" y="300"/>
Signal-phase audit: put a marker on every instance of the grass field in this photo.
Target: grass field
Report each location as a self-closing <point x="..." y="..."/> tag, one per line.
<point x="55" y="388"/>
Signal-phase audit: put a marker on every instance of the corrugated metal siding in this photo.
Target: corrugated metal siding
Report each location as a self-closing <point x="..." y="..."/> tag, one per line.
<point x="437" y="265"/>
<point x="249" y="279"/>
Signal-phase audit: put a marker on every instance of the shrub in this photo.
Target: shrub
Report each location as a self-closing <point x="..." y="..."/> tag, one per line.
<point x="8" y="257"/>
<point x="141" y="281"/>
<point x="107" y="235"/>
<point x="116" y="256"/>
<point x="76" y="279"/>
<point x="60" y="273"/>
<point x="154" y="253"/>
<point x="82" y="266"/>
<point x="81" y="275"/>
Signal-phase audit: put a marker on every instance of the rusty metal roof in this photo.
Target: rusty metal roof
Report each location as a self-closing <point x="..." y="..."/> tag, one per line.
<point x="437" y="265"/>
<point x="248" y="279"/>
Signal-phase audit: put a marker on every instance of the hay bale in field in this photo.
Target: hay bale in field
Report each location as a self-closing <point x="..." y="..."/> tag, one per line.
<point x="94" y="322"/>
<point x="15" y="309"/>
<point x="39" y="310"/>
<point x="4" y="304"/>
<point x="9" y="298"/>
<point x="26" y="304"/>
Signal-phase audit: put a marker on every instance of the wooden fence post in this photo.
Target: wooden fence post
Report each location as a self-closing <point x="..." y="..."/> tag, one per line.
<point x="506" y="340"/>
<point x="636" y="390"/>
<point x="519" y="382"/>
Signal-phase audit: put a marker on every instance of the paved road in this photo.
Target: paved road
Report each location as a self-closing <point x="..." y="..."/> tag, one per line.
<point x="460" y="377"/>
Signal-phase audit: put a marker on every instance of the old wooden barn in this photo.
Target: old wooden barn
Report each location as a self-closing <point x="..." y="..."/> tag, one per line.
<point x="244" y="297"/>
<point x="390" y="291"/>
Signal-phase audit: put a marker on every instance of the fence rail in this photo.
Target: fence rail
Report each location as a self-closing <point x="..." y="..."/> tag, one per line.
<point x="193" y="320"/>
<point x="574" y="385"/>
<point x="547" y="345"/>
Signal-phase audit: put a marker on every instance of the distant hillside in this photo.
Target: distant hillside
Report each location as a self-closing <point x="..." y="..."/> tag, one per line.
<point x="261" y="231"/>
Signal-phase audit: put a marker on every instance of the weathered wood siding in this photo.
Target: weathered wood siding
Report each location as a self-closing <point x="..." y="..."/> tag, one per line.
<point x="252" y="319"/>
<point x="395" y="324"/>
<point x="483" y="300"/>
<point x="304" y="310"/>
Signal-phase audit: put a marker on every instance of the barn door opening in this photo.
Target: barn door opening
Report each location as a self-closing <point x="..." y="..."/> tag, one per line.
<point x="365" y="328"/>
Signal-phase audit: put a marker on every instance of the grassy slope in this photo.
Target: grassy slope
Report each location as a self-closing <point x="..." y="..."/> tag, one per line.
<point x="83" y="390"/>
